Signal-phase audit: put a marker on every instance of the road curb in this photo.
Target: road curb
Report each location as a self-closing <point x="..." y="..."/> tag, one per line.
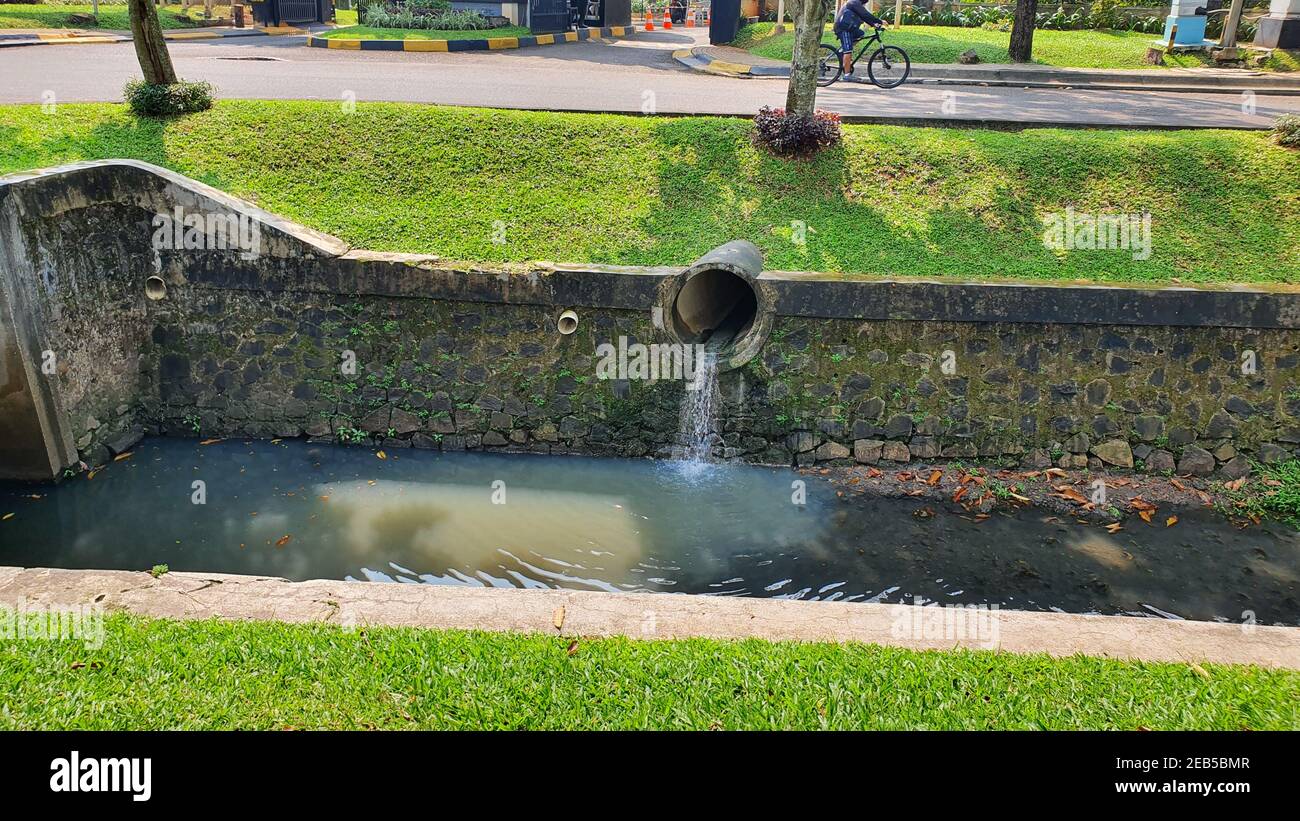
<point x="698" y="59"/>
<point x="485" y="44"/>
<point x="100" y="39"/>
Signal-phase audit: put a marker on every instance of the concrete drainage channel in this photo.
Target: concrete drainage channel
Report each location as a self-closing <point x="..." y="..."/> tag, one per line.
<point x="245" y="347"/>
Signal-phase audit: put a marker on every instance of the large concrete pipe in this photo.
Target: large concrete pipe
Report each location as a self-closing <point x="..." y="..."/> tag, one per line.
<point x="719" y="303"/>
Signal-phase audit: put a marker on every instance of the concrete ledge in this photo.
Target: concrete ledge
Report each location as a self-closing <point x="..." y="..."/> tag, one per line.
<point x="485" y="44"/>
<point x="636" y="615"/>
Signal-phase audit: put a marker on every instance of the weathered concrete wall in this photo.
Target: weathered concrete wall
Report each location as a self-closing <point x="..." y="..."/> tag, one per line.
<point x="450" y="356"/>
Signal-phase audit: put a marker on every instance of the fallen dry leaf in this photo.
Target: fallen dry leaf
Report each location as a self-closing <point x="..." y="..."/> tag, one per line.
<point x="283" y="540"/>
<point x="1067" y="492"/>
<point x="122" y="456"/>
<point x="1146" y="515"/>
<point x="926" y="512"/>
<point x="573" y="647"/>
<point x="935" y="476"/>
<point x="557" y="618"/>
<point x="1235" y="484"/>
<point x="1178" y="485"/>
<point x="1171" y="521"/>
<point x="1057" y="472"/>
<point x="6" y="517"/>
<point x="381" y="455"/>
<point x="1199" y="670"/>
<point x="961" y="491"/>
<point x="1114" y="527"/>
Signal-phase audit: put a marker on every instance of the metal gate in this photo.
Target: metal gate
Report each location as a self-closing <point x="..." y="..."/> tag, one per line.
<point x="299" y="11"/>
<point x="548" y="16"/>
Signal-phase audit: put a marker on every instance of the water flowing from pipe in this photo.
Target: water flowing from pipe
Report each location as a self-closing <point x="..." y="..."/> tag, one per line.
<point x="698" y="427"/>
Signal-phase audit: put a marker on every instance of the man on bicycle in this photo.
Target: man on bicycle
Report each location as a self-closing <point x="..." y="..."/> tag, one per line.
<point x="848" y="27"/>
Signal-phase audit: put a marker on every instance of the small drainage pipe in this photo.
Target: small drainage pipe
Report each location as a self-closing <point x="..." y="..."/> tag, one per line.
<point x="567" y="322"/>
<point x="155" y="288"/>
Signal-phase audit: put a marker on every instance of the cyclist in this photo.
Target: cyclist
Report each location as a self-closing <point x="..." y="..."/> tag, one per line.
<point x="848" y="27"/>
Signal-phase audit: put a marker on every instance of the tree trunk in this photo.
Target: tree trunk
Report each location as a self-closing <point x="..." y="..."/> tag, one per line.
<point x="809" y="21"/>
<point x="1022" y="31"/>
<point x="150" y="47"/>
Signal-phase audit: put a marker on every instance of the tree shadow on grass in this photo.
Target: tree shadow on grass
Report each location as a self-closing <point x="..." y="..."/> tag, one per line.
<point x="803" y="214"/>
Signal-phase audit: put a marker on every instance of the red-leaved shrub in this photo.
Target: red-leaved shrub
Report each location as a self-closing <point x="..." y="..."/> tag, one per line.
<point x="794" y="135"/>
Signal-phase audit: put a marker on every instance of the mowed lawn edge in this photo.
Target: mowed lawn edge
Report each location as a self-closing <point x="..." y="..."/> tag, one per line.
<point x="162" y="674"/>
<point x="484" y="185"/>
<point x="111" y="17"/>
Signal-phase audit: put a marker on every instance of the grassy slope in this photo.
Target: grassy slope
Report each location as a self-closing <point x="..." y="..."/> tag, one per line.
<point x="615" y="189"/>
<point x="369" y="33"/>
<point x="942" y="44"/>
<point x="212" y="675"/>
<point x="28" y="15"/>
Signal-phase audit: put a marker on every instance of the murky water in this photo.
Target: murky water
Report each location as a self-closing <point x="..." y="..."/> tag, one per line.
<point x="303" y="511"/>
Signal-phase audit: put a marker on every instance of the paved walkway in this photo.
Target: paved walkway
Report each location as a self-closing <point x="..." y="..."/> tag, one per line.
<point x="635" y="75"/>
<point x="735" y="62"/>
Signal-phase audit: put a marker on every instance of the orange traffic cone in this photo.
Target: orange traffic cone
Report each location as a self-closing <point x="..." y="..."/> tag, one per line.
<point x="668" y="19"/>
<point x="690" y="18"/>
<point x="649" y="19"/>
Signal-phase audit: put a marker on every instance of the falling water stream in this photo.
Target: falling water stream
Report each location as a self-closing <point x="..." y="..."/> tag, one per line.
<point x="699" y="423"/>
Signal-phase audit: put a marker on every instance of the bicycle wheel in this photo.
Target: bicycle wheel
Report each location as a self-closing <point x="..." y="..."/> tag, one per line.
<point x="829" y="67"/>
<point x="889" y="66"/>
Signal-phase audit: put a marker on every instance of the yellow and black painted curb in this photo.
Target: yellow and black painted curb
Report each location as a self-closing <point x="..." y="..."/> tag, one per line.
<point x="76" y="37"/>
<point x="698" y="59"/>
<point x="485" y="44"/>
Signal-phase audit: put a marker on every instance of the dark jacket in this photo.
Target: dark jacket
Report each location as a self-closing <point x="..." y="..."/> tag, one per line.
<point x="853" y="15"/>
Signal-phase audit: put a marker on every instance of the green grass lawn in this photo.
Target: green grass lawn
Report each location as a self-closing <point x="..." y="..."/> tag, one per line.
<point x="158" y="674"/>
<point x="369" y="33"/>
<point x="649" y="190"/>
<point x="345" y="17"/>
<point x="942" y="44"/>
<point x="35" y="16"/>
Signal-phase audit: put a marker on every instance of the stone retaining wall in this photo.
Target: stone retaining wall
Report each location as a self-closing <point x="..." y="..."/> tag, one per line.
<point x="454" y="357"/>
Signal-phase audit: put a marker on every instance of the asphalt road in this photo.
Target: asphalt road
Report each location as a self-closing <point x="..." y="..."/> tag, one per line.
<point x="635" y="75"/>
